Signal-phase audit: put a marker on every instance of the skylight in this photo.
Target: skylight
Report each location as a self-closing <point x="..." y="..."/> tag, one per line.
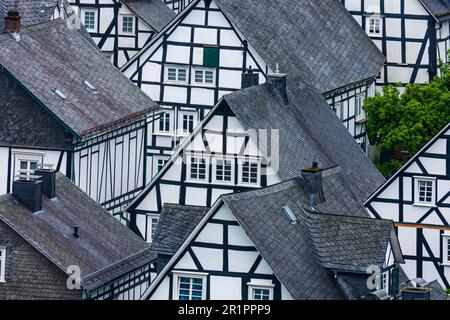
<point x="90" y="86"/>
<point x="289" y="214"/>
<point x="61" y="95"/>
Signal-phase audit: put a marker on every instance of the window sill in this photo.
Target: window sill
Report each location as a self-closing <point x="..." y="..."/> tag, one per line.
<point x="418" y="204"/>
<point x="375" y="35"/>
<point x="164" y="134"/>
<point x="169" y="82"/>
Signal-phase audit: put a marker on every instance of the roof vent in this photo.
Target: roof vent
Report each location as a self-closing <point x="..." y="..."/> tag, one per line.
<point x="289" y="214"/>
<point x="75" y="232"/>
<point x="89" y="86"/>
<point x="61" y="95"/>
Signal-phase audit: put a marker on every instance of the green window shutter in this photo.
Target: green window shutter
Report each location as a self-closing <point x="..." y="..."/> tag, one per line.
<point x="211" y="57"/>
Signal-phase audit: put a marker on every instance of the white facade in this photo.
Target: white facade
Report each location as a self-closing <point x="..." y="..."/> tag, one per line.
<point x="117" y="31"/>
<point x="417" y="198"/>
<point x="221" y="263"/>
<point x="407" y="34"/>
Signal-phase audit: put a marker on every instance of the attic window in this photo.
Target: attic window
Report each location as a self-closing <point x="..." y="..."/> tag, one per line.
<point x="61" y="95"/>
<point x="289" y="214"/>
<point x="90" y="86"/>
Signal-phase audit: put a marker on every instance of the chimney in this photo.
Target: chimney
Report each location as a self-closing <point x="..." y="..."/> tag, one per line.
<point x="48" y="179"/>
<point x="28" y="190"/>
<point x="278" y="81"/>
<point x="313" y="178"/>
<point x="12" y="22"/>
<point x="76" y="234"/>
<point x="249" y="78"/>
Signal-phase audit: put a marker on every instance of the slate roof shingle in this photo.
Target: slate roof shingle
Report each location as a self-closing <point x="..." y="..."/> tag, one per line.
<point x="303" y="255"/>
<point x="51" y="56"/>
<point x="317" y="40"/>
<point x="103" y="240"/>
<point x="176" y="222"/>
<point x="154" y="12"/>
<point x="440" y="9"/>
<point x="308" y="131"/>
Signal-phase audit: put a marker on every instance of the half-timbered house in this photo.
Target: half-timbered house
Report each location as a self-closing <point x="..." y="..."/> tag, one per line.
<point x="294" y="240"/>
<point x="57" y="243"/>
<point x="254" y="138"/>
<point x="63" y="103"/>
<point x="121" y="28"/>
<point x="417" y="198"/>
<point x="412" y="34"/>
<point x="202" y="53"/>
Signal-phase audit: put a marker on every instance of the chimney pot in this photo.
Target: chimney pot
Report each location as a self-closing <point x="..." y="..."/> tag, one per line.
<point x="278" y="81"/>
<point x="249" y="78"/>
<point x="12" y="21"/>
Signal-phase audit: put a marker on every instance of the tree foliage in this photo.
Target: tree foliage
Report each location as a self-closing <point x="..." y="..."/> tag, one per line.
<point x="408" y="120"/>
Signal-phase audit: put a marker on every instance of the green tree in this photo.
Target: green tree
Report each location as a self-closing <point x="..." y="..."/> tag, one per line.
<point x="408" y="120"/>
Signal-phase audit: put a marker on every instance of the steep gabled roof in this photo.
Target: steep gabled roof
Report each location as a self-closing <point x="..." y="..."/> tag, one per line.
<point x="50" y="57"/>
<point x="440" y="9"/>
<point x="176" y="222"/>
<point x="103" y="240"/>
<point x="31" y="11"/>
<point x="309" y="131"/>
<point x="305" y="255"/>
<point x="153" y="12"/>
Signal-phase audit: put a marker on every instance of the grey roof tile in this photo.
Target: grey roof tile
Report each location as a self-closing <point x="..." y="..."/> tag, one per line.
<point x="175" y="224"/>
<point x="440" y="9"/>
<point x="308" y="131"/>
<point x="51" y="56"/>
<point x="103" y="240"/>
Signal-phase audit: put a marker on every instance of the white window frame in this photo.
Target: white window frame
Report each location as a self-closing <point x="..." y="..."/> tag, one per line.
<point x="241" y="169"/>
<point x="181" y="115"/>
<point x="152" y="217"/>
<point x="359" y="100"/>
<point x="108" y="55"/>
<point x="2" y="264"/>
<point x="203" y="82"/>
<point x="214" y="168"/>
<point x="83" y="19"/>
<point x="375" y="18"/>
<point x="25" y="155"/>
<point x="155" y="163"/>
<point x="446" y="248"/>
<point x="253" y="286"/>
<point x="419" y="179"/>
<point x="171" y="123"/>
<point x="122" y="19"/>
<point x="383" y="281"/>
<point x="197" y="275"/>
<point x="189" y="166"/>
<point x="177" y="80"/>
<point x="339" y="110"/>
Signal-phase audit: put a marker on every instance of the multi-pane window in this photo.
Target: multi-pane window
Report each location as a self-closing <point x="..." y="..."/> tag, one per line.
<point x="425" y="191"/>
<point x="164" y="122"/>
<point x="446" y="247"/>
<point x="384" y="281"/>
<point x="190" y="288"/>
<point x="154" y="225"/>
<point x="204" y="77"/>
<point x="224" y="170"/>
<point x="339" y="110"/>
<point x="89" y="20"/>
<point x="2" y="263"/>
<point x="261" y="294"/>
<point x="198" y="168"/>
<point x="161" y="163"/>
<point x="27" y="166"/>
<point x="375" y="25"/>
<point x="188" y="123"/>
<point x="359" y="101"/>
<point x="127" y="24"/>
<point x="177" y="74"/>
<point x="250" y="172"/>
